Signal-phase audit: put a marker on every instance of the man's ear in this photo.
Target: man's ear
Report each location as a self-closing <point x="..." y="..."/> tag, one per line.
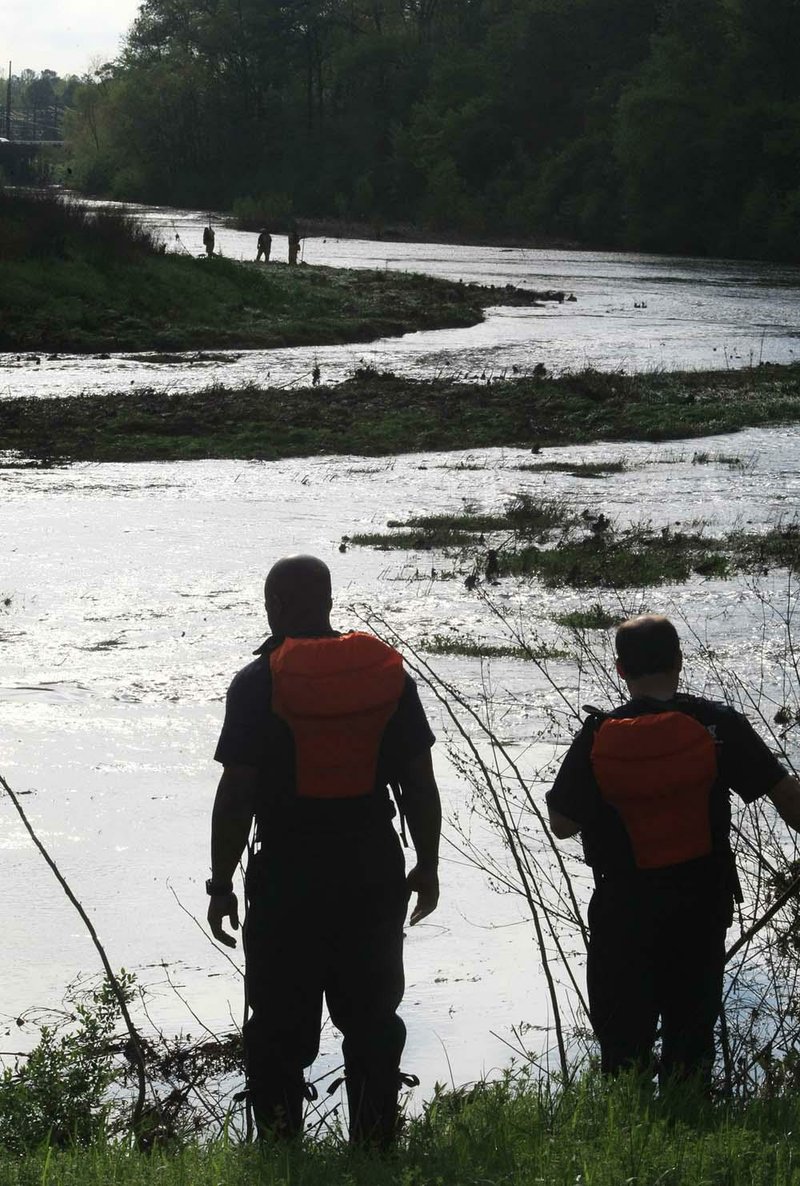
<point x="620" y="672"/>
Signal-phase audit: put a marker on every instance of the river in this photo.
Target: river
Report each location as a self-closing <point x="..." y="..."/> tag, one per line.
<point x="129" y="594"/>
<point x="632" y="312"/>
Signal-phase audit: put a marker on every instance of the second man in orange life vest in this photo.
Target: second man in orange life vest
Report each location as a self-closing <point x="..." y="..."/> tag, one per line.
<point x="315" y="728"/>
<point x="648" y="786"/>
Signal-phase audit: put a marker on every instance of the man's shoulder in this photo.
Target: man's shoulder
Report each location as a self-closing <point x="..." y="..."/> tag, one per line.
<point x="253" y="675"/>
<point x="709" y="711"/>
<point x="698" y="706"/>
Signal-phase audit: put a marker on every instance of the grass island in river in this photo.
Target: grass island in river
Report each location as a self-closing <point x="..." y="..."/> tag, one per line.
<point x="376" y="414"/>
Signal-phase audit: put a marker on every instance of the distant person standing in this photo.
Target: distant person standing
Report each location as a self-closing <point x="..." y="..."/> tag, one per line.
<point x="264" y="246"/>
<point x="294" y="245"/>
<point x="208" y="240"/>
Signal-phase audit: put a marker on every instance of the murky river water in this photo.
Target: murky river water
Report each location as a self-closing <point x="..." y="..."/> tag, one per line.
<point x="129" y="594"/>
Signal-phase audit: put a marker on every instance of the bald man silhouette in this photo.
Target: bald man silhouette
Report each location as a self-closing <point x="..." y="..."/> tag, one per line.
<point x="315" y="730"/>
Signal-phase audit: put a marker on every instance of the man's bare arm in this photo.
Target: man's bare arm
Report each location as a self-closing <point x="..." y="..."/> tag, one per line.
<point x="423" y="812"/>
<point x="786" y="797"/>
<point x="231" y="821"/>
<point x="561" y="826"/>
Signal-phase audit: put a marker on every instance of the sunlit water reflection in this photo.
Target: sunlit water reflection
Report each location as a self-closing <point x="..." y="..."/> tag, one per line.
<point x="129" y="595"/>
<point x="133" y="594"/>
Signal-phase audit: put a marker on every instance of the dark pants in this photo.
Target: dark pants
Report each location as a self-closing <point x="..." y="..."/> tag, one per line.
<point x="326" y="916"/>
<point x="657" y="954"/>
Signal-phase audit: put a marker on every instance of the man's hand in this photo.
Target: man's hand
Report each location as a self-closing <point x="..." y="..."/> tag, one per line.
<point x="425" y="884"/>
<point x="223" y="906"/>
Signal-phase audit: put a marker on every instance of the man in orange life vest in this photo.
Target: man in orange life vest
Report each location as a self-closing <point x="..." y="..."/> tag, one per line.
<point x="315" y="728"/>
<point x="648" y="786"/>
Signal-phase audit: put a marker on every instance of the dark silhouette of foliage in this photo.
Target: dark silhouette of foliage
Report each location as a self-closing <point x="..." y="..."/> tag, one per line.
<point x="669" y="125"/>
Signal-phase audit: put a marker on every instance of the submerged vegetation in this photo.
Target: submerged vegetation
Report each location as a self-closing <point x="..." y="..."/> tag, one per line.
<point x="476" y="648"/>
<point x="592" y="617"/>
<point x="80" y="280"/>
<point x="547" y="540"/>
<point x="381" y="414"/>
<point x="576" y="469"/>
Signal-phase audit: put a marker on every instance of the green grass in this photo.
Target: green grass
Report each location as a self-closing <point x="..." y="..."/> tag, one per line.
<point x="577" y="469"/>
<point x="635" y="559"/>
<point x="594" y="1134"/>
<point x="524" y="516"/>
<point x="703" y="458"/>
<point x="546" y="541"/>
<point x="379" y="415"/>
<point x="95" y="280"/>
<point x="594" y="617"/>
<point x="475" y="648"/>
<point x="777" y="548"/>
<point x="168" y="303"/>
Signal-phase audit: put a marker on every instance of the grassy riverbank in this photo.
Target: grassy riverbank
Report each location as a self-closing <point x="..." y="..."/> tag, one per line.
<point x="378" y="415"/>
<point x="170" y="302"/>
<point x="603" y="1134"/>
<point x="77" y="280"/>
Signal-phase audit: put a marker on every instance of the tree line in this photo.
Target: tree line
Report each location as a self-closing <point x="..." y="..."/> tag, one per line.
<point x="32" y="104"/>
<point x="657" y="125"/>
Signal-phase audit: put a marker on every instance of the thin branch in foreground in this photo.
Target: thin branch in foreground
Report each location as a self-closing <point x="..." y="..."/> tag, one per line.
<point x="136" y="1044"/>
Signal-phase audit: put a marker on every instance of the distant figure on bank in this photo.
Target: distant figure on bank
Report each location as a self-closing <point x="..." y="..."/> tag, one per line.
<point x="208" y="240"/>
<point x="294" y="245"/>
<point x="315" y="730"/>
<point x="264" y="246"/>
<point x="648" y="787"/>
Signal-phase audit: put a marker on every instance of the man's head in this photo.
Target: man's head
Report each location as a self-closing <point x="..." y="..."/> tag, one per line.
<point x="649" y="650"/>
<point x="297" y="596"/>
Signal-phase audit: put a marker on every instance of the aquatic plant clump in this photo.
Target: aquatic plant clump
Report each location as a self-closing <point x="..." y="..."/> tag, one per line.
<point x="476" y="648"/>
<point x="593" y="617"/>
<point x="547" y="541"/>
<point x="576" y="469"/>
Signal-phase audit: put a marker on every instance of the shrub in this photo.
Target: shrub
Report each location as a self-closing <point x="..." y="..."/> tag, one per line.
<point x="40" y="226"/>
<point x="59" y="1093"/>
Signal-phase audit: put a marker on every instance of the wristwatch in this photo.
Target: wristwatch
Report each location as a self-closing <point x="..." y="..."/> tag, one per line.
<point x="218" y="889"/>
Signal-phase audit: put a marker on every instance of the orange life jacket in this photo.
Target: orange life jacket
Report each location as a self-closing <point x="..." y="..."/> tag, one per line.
<point x="658" y="771"/>
<point x="336" y="695"/>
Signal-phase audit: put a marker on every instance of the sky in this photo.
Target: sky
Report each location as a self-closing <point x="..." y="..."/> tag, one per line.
<point x="68" y="36"/>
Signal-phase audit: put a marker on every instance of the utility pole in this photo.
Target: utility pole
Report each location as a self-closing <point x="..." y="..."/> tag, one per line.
<point x="8" y="103"/>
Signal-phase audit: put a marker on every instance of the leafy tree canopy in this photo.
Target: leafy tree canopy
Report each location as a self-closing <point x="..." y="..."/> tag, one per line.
<point x="669" y="125"/>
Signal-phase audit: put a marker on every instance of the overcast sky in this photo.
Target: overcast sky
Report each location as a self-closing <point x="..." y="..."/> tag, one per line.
<point x="68" y="36"/>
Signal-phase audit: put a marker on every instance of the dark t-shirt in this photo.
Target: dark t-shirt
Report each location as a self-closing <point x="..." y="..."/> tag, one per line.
<point x="252" y="735"/>
<point x="744" y="763"/>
